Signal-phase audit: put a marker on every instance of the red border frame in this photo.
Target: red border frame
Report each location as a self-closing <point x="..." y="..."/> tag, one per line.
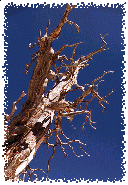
<point x="4" y="80"/>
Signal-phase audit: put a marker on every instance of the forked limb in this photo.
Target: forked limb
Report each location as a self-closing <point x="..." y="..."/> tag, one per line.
<point x="31" y="172"/>
<point x="95" y="94"/>
<point x="58" y="131"/>
<point x="97" y="51"/>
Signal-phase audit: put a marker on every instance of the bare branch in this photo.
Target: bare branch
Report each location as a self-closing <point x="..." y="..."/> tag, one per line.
<point x="35" y="44"/>
<point x="101" y="76"/>
<point x="46" y="29"/>
<point x="59" y="142"/>
<point x="55" y="33"/>
<point x="103" y="99"/>
<point x="56" y="55"/>
<point x="97" y="51"/>
<point x="77" y="27"/>
<point x="14" y="108"/>
<point x="31" y="172"/>
<point x="29" y="65"/>
<point x="89" y="117"/>
<point x="31" y="126"/>
<point x="39" y="33"/>
<point x="89" y="90"/>
<point x="50" y="159"/>
<point x="74" y="141"/>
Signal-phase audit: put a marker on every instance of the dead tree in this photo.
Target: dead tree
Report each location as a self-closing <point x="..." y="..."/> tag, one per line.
<point x="31" y="126"/>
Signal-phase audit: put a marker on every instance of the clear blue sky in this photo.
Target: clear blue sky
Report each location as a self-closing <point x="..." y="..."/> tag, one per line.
<point x="104" y="144"/>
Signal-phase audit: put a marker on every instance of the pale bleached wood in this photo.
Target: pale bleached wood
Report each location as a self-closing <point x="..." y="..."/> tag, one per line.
<point x="30" y="127"/>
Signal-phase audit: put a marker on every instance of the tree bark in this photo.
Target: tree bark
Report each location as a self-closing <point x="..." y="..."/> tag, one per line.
<point x="30" y="127"/>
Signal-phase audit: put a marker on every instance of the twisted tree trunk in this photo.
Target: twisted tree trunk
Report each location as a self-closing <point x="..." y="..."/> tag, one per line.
<point x="30" y="127"/>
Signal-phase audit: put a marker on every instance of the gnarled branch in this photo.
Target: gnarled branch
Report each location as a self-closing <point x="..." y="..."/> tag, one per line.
<point x="31" y="126"/>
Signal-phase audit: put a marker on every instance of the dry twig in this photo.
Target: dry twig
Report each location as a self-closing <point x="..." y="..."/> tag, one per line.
<point x="30" y="127"/>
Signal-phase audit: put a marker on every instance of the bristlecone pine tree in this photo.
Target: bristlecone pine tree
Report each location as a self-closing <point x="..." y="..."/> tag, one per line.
<point x="31" y="126"/>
